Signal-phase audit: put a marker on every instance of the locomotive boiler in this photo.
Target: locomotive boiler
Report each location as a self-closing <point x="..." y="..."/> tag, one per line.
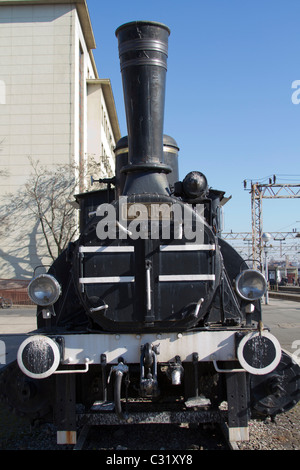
<point x="150" y="316"/>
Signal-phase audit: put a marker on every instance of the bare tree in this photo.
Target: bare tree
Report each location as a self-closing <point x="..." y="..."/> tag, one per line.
<point x="47" y="197"/>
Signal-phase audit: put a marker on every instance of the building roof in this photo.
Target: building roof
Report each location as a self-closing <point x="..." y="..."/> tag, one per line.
<point x="110" y="104"/>
<point x="82" y="9"/>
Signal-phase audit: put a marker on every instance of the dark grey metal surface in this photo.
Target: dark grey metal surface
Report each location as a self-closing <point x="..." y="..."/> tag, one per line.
<point x="143" y="49"/>
<point x="149" y="417"/>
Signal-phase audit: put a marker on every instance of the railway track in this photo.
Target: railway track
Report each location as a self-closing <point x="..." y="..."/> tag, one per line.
<point x="283" y="433"/>
<point x="286" y="293"/>
<point x="154" y="438"/>
<point x="176" y="429"/>
<point x="17" y="434"/>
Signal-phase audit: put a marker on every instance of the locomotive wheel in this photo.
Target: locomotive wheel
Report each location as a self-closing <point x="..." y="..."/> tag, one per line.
<point x="25" y="396"/>
<point x="276" y="392"/>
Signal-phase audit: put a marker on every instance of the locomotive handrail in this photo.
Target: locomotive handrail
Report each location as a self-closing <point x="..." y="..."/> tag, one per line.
<point x="198" y="305"/>
<point x="148" y="284"/>
<point x="76" y="371"/>
<point x="226" y="371"/>
<point x="97" y="309"/>
<point x="253" y="261"/>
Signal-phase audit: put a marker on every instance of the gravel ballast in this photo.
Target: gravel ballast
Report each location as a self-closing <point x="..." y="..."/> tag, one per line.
<point x="283" y="433"/>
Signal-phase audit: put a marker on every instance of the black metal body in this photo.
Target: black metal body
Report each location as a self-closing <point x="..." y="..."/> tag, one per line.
<point x="144" y="177"/>
<point x="143" y="50"/>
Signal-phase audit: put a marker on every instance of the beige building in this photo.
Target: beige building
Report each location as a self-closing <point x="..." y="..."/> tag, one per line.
<point x="53" y="105"/>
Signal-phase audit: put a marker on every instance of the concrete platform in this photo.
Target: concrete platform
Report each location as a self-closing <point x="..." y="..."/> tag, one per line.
<point x="283" y="319"/>
<point x="285" y="296"/>
<point x="17" y="320"/>
<point x="281" y="316"/>
<point x="15" y="324"/>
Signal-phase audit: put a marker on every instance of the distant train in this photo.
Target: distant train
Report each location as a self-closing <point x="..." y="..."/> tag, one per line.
<point x="149" y="316"/>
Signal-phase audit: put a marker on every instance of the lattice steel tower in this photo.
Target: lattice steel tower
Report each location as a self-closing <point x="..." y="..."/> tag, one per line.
<point x="258" y="192"/>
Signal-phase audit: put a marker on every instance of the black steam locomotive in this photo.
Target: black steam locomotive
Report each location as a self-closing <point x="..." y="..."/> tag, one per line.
<point x="149" y="316"/>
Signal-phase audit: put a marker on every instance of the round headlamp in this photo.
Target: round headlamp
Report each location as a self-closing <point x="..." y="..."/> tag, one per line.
<point x="44" y="290"/>
<point x="195" y="184"/>
<point x="251" y="284"/>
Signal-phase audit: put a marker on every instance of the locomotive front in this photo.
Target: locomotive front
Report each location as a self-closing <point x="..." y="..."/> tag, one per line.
<point x="150" y="303"/>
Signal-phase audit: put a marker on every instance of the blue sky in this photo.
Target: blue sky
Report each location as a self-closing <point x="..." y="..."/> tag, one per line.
<point x="229" y="92"/>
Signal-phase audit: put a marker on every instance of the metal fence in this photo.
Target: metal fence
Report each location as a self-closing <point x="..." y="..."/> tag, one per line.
<point x="18" y="296"/>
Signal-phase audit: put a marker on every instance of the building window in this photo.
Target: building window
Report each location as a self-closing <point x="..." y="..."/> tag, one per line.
<point x="81" y="114"/>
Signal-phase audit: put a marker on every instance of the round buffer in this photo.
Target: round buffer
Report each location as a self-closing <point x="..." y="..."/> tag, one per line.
<point x="259" y="353"/>
<point x="38" y="357"/>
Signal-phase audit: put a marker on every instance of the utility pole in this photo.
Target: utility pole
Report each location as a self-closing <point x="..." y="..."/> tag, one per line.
<point x="258" y="192"/>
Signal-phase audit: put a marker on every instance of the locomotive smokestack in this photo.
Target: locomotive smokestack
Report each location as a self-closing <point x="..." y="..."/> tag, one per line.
<point x="143" y="51"/>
